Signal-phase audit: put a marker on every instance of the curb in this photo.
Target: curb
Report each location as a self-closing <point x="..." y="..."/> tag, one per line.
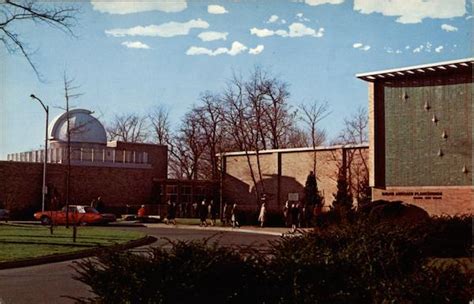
<point x="76" y="255"/>
<point x="222" y="229"/>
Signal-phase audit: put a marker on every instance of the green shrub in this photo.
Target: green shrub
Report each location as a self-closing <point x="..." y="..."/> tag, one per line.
<point x="359" y="261"/>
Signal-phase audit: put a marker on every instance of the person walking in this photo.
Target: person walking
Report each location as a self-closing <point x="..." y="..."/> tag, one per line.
<point x="100" y="204"/>
<point x="203" y="213"/>
<point x="172" y="213"/>
<point x="234" y="217"/>
<point x="227" y="214"/>
<point x="286" y="210"/>
<point x="295" y="213"/>
<point x="213" y="212"/>
<point x="262" y="215"/>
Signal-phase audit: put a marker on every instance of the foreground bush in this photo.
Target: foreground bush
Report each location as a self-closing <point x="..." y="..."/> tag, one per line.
<point x="361" y="262"/>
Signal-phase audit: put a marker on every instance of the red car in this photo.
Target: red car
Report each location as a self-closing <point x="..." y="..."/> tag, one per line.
<point x="82" y="215"/>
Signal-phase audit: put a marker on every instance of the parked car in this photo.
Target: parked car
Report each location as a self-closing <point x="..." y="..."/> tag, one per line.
<point x="4" y="215"/>
<point x="79" y="214"/>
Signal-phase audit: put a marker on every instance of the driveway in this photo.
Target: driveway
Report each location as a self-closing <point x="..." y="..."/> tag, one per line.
<point x="50" y="283"/>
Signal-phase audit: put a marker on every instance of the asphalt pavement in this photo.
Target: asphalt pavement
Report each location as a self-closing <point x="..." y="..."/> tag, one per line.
<point x="53" y="283"/>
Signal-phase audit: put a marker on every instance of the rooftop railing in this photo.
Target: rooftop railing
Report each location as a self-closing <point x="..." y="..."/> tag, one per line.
<point x="85" y="156"/>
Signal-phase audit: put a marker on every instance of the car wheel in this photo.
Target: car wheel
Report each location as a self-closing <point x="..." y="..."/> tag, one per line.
<point x="45" y="220"/>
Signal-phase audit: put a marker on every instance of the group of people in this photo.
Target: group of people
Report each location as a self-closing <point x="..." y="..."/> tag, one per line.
<point x="230" y="215"/>
<point x="208" y="210"/>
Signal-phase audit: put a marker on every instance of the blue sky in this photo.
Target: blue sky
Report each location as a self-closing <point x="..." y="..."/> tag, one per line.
<point x="130" y="56"/>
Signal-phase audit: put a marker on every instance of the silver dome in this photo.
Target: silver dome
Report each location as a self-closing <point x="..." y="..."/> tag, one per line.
<point x="84" y="127"/>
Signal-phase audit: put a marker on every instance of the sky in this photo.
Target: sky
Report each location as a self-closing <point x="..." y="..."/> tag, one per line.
<point x="127" y="57"/>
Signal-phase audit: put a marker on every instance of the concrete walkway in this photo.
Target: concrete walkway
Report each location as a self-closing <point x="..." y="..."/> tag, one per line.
<point x="275" y="231"/>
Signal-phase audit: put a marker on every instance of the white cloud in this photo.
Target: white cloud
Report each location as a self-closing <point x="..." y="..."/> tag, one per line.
<point x="301" y="18"/>
<point x="319" y="2"/>
<point x="449" y="28"/>
<point x="262" y="32"/>
<point x="169" y="29"/>
<point x="295" y="29"/>
<point x="211" y="36"/>
<point x="439" y="49"/>
<point x="137" y="6"/>
<point x="216" y="9"/>
<point x="361" y="46"/>
<point x="257" y="50"/>
<point x="272" y="19"/>
<point x="235" y="49"/>
<point x="418" y="49"/>
<point x="283" y="21"/>
<point x="135" y="45"/>
<point x="412" y="11"/>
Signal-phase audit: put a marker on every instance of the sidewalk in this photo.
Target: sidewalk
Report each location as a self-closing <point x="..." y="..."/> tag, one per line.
<point x="275" y="231"/>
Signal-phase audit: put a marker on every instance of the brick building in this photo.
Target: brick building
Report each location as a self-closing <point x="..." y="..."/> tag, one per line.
<point x="284" y="173"/>
<point x="421" y="139"/>
<point x="121" y="173"/>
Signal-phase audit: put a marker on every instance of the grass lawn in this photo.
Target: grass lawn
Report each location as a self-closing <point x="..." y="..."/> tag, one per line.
<point x="26" y="241"/>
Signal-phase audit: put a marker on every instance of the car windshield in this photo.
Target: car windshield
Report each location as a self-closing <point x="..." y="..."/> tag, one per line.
<point x="91" y="210"/>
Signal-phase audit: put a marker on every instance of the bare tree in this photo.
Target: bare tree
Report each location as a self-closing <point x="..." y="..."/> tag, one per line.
<point x="355" y="132"/>
<point x="210" y="121"/>
<point x="312" y="115"/>
<point x="129" y="128"/>
<point x="159" y="119"/>
<point x="70" y="92"/>
<point x="297" y="138"/>
<point x="355" y="128"/>
<point x="187" y="147"/>
<point x="13" y="13"/>
<point x="239" y="120"/>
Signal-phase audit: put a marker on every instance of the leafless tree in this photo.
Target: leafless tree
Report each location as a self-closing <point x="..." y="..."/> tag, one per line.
<point x="15" y="12"/>
<point x="70" y="93"/>
<point x="187" y="148"/>
<point x="210" y="120"/>
<point x="355" y="132"/>
<point x="129" y="128"/>
<point x="159" y="119"/>
<point x="312" y="114"/>
<point x="355" y="128"/>
<point x="297" y="138"/>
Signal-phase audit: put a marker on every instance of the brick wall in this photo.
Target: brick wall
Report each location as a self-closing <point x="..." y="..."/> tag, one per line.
<point x="286" y="171"/>
<point x="20" y="185"/>
<point x="436" y="200"/>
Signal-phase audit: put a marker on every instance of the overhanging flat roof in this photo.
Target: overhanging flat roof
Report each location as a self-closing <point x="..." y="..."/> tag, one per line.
<point x="418" y="69"/>
<point x="292" y="150"/>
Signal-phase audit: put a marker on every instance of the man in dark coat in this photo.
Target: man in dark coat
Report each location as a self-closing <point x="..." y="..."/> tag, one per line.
<point x="203" y="213"/>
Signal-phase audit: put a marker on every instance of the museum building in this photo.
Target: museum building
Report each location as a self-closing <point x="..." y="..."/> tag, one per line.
<point x="420" y="135"/>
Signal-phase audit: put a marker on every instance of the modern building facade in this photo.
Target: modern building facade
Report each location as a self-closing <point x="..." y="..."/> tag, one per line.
<point x="421" y="139"/>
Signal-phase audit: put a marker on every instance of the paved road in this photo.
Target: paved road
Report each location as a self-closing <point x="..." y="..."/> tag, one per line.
<point x="51" y="282"/>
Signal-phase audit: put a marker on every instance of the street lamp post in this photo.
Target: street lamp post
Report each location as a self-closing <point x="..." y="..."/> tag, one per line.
<point x="45" y="158"/>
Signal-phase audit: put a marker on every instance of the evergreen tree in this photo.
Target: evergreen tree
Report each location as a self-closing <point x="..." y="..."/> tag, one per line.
<point x="311" y="192"/>
<point x="343" y="197"/>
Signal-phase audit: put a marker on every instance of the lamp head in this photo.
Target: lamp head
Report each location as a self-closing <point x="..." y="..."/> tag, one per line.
<point x="32" y="96"/>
